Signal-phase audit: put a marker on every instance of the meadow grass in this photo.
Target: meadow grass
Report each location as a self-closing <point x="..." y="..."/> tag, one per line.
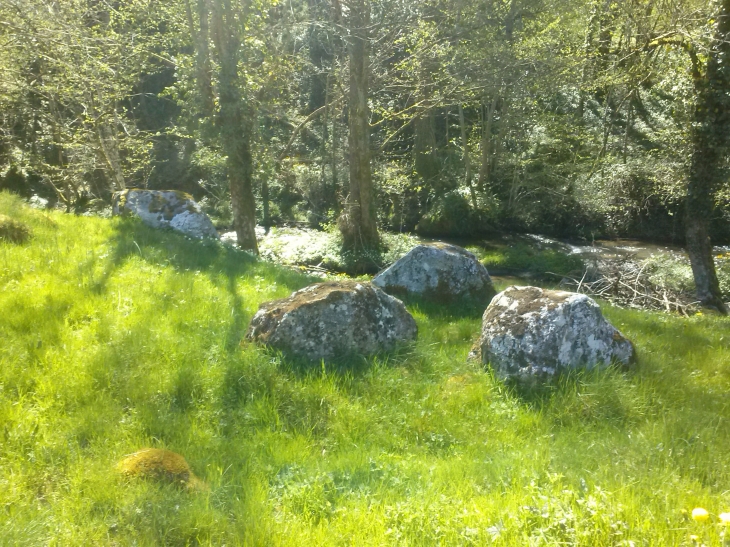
<point x="115" y="337"/>
<point x="523" y="259"/>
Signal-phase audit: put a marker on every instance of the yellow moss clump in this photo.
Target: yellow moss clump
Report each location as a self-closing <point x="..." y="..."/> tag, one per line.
<point x="160" y="464"/>
<point x="13" y="230"/>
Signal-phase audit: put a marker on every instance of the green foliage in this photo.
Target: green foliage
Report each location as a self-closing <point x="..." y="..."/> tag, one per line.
<point x="452" y="215"/>
<point x="116" y="337"/>
<point x="673" y="272"/>
<point x="68" y="82"/>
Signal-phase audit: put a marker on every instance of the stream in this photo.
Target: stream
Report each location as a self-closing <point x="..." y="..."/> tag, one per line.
<point x="307" y="246"/>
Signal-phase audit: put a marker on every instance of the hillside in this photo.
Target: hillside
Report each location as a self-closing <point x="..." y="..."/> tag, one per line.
<point x="116" y="337"/>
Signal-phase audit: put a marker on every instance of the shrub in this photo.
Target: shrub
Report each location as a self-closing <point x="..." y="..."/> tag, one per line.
<point x="452" y="215"/>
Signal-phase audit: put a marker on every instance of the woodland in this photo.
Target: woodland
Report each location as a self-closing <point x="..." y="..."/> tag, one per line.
<point x="579" y="119"/>
<point x="579" y="145"/>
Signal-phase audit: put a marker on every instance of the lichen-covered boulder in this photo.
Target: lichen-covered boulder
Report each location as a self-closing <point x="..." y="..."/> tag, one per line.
<point x="438" y="271"/>
<point x="327" y="320"/>
<point x="165" y="209"/>
<point x="162" y="465"/>
<point x="531" y="334"/>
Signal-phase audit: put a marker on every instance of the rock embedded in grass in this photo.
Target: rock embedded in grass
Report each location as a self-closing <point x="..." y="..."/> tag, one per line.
<point x="531" y="334"/>
<point x="438" y="271"/>
<point x="165" y="209"/>
<point x="160" y="464"/>
<point x="333" y="319"/>
<point x="13" y="231"/>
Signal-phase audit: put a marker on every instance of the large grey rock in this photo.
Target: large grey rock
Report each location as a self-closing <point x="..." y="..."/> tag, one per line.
<point x="165" y="209"/>
<point x="532" y="334"/>
<point x="438" y="271"/>
<point x="327" y="320"/>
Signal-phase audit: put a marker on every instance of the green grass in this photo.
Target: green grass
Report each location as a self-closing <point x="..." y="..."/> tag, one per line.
<point x="115" y="337"/>
<point x="524" y="259"/>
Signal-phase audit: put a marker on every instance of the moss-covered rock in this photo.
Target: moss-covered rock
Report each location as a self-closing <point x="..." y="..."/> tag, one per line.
<point x="327" y="320"/>
<point x="13" y="231"/>
<point x="162" y="465"/>
<point x="439" y="272"/>
<point x="531" y="334"/>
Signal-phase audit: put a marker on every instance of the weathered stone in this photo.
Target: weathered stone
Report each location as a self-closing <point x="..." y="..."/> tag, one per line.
<point x="160" y="464"/>
<point x="438" y="271"/>
<point x="165" y="209"/>
<point x="532" y="334"/>
<point x="327" y="320"/>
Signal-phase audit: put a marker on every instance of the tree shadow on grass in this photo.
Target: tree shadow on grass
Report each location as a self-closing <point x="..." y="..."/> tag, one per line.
<point x="225" y="265"/>
<point x="352" y="365"/>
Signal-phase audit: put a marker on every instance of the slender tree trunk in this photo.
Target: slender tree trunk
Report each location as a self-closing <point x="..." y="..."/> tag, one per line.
<point x="424" y="146"/>
<point x="110" y="151"/>
<point x="711" y="143"/>
<point x="325" y="131"/>
<point x="200" y="37"/>
<point x="629" y="123"/>
<point x="357" y="222"/>
<point x="484" y="173"/>
<point x="467" y="157"/>
<point x="235" y="120"/>
<point x="499" y="144"/>
<point x="585" y="67"/>
<point x="317" y="54"/>
<point x="205" y="78"/>
<point x="333" y="159"/>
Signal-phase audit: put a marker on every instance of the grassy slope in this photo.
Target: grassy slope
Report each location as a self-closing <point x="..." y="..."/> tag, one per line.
<point x="114" y="337"/>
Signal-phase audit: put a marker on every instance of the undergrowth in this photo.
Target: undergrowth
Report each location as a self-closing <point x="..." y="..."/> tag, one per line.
<point x="323" y="249"/>
<point x="116" y="337"/>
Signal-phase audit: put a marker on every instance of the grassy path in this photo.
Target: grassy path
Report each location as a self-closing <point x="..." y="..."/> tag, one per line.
<point x="114" y="337"/>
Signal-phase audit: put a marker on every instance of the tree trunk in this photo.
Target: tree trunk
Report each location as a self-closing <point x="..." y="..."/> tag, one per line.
<point x="110" y="152"/>
<point x="467" y="157"/>
<point x="357" y="223"/>
<point x="484" y="173"/>
<point x="200" y="39"/>
<point x="424" y="147"/>
<point x="235" y="120"/>
<point x="501" y="133"/>
<point x="318" y="52"/>
<point x="205" y="85"/>
<point x="711" y="142"/>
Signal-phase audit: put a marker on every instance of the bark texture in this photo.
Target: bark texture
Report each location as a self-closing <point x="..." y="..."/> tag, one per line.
<point x="711" y="140"/>
<point x="357" y="223"/>
<point x="235" y="120"/>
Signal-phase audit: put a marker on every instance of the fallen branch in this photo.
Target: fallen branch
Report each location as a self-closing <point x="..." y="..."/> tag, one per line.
<point x="624" y="282"/>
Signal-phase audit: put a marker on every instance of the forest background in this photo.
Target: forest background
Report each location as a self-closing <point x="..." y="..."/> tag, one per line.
<point x="570" y="118"/>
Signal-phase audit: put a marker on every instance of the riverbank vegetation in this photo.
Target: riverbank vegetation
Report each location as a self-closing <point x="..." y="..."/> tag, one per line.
<point x="568" y="118"/>
<point x="117" y="337"/>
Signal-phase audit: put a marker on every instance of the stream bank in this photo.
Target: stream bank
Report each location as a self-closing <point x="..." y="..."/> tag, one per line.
<point x="630" y="273"/>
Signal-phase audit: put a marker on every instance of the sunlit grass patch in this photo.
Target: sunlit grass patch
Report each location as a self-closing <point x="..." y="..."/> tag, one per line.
<point x="116" y="337"/>
<point x="521" y="258"/>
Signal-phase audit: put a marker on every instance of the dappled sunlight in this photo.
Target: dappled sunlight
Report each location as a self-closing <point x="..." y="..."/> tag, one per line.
<point x="116" y="342"/>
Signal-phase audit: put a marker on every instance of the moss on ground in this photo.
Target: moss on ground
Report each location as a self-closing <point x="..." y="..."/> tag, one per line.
<point x="160" y="464"/>
<point x="13" y="231"/>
